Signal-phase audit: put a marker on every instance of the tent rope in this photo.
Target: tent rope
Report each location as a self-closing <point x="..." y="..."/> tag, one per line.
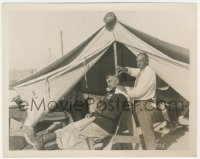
<point x="86" y="69"/>
<point x="85" y="61"/>
<point x="48" y="88"/>
<point x="69" y="68"/>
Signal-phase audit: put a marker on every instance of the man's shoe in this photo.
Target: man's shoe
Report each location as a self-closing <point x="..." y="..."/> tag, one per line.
<point x="166" y="130"/>
<point x="36" y="142"/>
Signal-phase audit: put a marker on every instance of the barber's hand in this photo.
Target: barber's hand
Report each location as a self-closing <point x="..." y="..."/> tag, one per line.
<point x="162" y="106"/>
<point x="122" y="69"/>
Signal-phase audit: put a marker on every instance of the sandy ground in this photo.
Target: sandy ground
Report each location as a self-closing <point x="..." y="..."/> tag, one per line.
<point x="177" y="141"/>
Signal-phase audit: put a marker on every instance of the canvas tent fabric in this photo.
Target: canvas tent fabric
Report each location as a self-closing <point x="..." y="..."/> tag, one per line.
<point x="58" y="79"/>
<point x="66" y="59"/>
<point x="173" y="51"/>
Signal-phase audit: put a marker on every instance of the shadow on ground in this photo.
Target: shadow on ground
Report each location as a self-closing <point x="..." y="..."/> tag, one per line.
<point x="166" y="140"/>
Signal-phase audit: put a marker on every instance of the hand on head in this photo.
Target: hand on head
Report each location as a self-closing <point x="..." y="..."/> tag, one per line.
<point x="120" y="70"/>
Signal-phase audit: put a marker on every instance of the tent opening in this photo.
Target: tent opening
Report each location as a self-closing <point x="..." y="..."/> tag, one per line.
<point x="96" y="76"/>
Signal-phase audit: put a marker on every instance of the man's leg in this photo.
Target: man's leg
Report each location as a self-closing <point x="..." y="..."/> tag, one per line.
<point x="39" y="142"/>
<point x="51" y="146"/>
<point x="144" y="114"/>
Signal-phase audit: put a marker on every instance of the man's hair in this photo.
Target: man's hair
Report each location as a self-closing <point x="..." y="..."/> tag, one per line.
<point x="144" y="54"/>
<point x="111" y="75"/>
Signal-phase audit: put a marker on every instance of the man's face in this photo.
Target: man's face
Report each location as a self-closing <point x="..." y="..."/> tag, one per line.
<point x="142" y="62"/>
<point x="111" y="82"/>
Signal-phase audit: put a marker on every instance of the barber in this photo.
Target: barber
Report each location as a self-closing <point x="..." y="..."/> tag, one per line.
<point x="142" y="94"/>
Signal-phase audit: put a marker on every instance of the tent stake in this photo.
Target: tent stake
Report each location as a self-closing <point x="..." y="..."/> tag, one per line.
<point x="115" y="57"/>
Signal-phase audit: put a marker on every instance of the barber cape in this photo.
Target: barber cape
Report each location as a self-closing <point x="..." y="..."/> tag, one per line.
<point x="81" y="124"/>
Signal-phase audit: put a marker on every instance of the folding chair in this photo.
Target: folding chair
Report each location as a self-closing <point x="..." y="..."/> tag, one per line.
<point x="130" y="137"/>
<point x="122" y="136"/>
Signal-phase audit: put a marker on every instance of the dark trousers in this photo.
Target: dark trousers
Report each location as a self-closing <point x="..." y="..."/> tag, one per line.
<point x="144" y="111"/>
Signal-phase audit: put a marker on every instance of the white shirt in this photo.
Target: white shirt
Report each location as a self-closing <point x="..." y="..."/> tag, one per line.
<point x="146" y="83"/>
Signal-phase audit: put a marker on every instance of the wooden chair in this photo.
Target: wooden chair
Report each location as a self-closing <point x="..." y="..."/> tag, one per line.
<point x="126" y="134"/>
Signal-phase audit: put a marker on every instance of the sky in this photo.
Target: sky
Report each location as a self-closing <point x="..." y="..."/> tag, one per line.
<point x="32" y="32"/>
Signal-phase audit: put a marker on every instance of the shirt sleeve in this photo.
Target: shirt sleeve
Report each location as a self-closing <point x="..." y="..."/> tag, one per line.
<point x="145" y="83"/>
<point x="133" y="71"/>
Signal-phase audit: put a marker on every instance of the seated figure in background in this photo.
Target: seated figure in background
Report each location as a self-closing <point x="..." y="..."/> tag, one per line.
<point x="98" y="125"/>
<point x="174" y="108"/>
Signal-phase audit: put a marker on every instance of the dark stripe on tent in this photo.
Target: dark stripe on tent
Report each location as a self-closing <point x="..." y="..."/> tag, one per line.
<point x="62" y="61"/>
<point x="173" y="51"/>
<point x="158" y="57"/>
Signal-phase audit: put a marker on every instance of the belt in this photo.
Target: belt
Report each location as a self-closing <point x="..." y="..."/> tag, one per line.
<point x="147" y="100"/>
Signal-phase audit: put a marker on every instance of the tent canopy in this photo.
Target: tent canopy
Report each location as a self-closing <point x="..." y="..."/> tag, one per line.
<point x="89" y="63"/>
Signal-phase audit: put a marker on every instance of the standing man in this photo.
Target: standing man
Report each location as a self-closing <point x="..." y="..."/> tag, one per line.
<point x="142" y="94"/>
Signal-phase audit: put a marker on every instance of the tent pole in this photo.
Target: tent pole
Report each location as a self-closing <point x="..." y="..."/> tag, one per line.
<point x="115" y="56"/>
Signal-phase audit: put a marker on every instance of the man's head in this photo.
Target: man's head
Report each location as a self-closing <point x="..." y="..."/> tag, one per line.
<point x="142" y="60"/>
<point x="112" y="81"/>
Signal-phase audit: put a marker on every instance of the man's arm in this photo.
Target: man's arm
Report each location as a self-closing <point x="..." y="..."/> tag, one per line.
<point x="132" y="71"/>
<point x="128" y="70"/>
<point x="142" y="87"/>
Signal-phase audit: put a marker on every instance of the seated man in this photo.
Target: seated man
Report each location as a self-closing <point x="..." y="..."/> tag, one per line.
<point x="99" y="125"/>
